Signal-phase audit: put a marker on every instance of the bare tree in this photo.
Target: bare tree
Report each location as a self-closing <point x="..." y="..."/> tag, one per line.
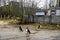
<point x="4" y="1"/>
<point x="0" y="2"/>
<point x="21" y="6"/>
<point x="28" y="9"/>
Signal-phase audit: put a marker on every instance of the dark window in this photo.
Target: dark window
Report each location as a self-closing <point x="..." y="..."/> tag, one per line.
<point x="52" y="10"/>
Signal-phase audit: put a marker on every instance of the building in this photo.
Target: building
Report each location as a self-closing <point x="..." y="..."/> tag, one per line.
<point x="54" y="7"/>
<point x="58" y="3"/>
<point x="58" y="8"/>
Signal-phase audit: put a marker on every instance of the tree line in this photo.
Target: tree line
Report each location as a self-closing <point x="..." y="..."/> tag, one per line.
<point x="19" y="9"/>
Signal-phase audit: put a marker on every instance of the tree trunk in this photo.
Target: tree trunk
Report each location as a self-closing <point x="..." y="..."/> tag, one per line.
<point x="32" y="18"/>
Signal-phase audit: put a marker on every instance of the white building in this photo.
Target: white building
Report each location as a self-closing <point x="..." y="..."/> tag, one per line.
<point x="58" y="7"/>
<point x="54" y="4"/>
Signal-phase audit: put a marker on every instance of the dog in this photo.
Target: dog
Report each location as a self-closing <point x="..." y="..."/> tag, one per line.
<point x="27" y="30"/>
<point x="20" y="29"/>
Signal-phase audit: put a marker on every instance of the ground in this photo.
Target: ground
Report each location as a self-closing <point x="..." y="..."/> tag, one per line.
<point x="13" y="33"/>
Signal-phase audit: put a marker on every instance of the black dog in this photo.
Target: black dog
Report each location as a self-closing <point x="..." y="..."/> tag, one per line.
<point x="20" y="29"/>
<point x="28" y="31"/>
<point x="38" y="26"/>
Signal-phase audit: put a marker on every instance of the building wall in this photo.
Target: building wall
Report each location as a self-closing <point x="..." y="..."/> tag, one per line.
<point x="57" y="12"/>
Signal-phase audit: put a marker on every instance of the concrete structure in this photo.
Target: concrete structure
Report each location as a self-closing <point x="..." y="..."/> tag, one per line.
<point x="43" y="18"/>
<point x="57" y="11"/>
<point x="54" y="19"/>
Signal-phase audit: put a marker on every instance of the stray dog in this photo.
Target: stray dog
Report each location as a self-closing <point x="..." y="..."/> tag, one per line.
<point x="27" y="30"/>
<point x="20" y="29"/>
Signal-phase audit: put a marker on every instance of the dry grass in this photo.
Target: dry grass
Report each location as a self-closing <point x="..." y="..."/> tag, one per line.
<point x="46" y="26"/>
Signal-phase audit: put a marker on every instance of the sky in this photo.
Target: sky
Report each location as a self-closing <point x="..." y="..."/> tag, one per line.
<point x="40" y="3"/>
<point x="43" y="3"/>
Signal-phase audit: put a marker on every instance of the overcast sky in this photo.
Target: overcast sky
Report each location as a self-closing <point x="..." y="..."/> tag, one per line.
<point x="41" y="3"/>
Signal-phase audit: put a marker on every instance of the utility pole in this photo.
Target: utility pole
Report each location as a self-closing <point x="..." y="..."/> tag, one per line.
<point x="0" y="2"/>
<point x="57" y="3"/>
<point x="46" y="8"/>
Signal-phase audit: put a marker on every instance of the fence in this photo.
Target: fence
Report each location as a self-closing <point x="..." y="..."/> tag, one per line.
<point x="52" y="19"/>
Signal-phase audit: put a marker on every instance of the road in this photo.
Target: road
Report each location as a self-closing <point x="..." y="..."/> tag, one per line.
<point x="13" y="33"/>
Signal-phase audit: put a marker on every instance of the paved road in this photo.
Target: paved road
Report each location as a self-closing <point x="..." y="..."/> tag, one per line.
<point x="15" y="34"/>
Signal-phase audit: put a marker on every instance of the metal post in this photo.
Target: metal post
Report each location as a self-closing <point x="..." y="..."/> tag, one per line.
<point x="57" y="3"/>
